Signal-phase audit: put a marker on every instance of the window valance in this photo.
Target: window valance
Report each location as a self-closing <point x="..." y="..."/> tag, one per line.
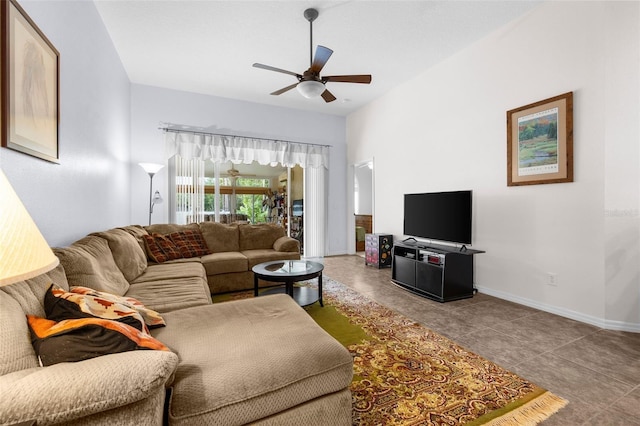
<point x="239" y="149"/>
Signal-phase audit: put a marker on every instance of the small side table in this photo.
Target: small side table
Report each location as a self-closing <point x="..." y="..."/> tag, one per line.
<point x="290" y="272"/>
<point x="377" y="250"/>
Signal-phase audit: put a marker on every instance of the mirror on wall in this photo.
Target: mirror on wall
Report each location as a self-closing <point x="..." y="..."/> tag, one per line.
<point x="363" y="202"/>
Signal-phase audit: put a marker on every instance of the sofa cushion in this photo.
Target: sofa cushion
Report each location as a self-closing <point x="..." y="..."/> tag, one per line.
<point x="287" y="244"/>
<point x="220" y="237"/>
<point x="79" y="339"/>
<point x="255" y="257"/>
<point x="137" y="231"/>
<point x="172" y="293"/>
<point x="61" y="305"/>
<point x="160" y="248"/>
<point x="231" y="384"/>
<point x="16" y="351"/>
<point x="165" y="287"/>
<point x="190" y="243"/>
<point x="177" y="270"/>
<point x="126" y="251"/>
<point x="89" y="263"/>
<point x="125" y="389"/>
<point x="168" y="228"/>
<point x="30" y="293"/>
<point x="259" y="236"/>
<point x="225" y="262"/>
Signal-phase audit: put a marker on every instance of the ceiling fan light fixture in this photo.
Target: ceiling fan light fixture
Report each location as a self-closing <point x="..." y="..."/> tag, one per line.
<point x="310" y="88"/>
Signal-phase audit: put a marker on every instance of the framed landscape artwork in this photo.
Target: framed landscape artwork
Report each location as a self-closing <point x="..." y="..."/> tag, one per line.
<point x="30" y="85"/>
<point x="540" y="142"/>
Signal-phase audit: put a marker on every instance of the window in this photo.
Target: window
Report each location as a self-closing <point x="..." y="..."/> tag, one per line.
<point x="244" y="197"/>
<point x="228" y="193"/>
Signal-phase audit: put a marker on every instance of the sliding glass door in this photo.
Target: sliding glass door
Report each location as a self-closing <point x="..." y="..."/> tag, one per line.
<point x="240" y="193"/>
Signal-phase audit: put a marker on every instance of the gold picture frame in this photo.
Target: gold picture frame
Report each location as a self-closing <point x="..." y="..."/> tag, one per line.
<point x="30" y="86"/>
<point x="540" y="142"/>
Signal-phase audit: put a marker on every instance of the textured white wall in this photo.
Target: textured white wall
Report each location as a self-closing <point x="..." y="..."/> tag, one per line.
<point x="446" y="130"/>
<point x="151" y="105"/>
<point x="622" y="164"/>
<point x="89" y="189"/>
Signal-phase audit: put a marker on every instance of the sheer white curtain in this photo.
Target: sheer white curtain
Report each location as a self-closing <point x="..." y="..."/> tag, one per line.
<point x="191" y="148"/>
<point x="237" y="149"/>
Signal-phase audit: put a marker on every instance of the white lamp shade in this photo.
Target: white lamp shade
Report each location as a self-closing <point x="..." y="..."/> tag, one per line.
<point x="151" y="168"/>
<point x="310" y="88"/>
<point x="24" y="253"/>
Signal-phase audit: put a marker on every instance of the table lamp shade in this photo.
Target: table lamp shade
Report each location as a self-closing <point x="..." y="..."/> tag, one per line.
<point x="24" y="253"/>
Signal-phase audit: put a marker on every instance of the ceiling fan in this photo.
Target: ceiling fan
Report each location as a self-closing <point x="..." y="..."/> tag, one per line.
<point x="310" y="84"/>
<point x="234" y="173"/>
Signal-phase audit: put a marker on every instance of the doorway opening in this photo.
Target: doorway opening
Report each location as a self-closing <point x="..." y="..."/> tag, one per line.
<point x="363" y="203"/>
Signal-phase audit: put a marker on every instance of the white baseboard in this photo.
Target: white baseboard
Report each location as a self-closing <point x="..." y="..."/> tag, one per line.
<point x="567" y="313"/>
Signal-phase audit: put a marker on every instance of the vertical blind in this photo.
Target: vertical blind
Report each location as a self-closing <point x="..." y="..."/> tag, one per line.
<point x="315" y="212"/>
<point x="187" y="195"/>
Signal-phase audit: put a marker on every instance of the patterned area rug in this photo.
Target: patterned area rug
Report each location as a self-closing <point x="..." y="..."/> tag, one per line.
<point x="405" y="374"/>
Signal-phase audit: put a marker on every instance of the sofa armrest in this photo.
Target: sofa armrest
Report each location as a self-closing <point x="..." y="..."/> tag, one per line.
<point x="287" y="244"/>
<point x="72" y="390"/>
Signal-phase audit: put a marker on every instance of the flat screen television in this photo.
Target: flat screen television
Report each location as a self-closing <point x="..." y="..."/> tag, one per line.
<point x="443" y="216"/>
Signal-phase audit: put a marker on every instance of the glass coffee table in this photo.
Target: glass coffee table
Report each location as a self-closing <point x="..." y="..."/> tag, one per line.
<point x="290" y="272"/>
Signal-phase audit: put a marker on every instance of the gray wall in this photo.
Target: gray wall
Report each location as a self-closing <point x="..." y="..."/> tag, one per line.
<point x="152" y="105"/>
<point x="89" y="189"/>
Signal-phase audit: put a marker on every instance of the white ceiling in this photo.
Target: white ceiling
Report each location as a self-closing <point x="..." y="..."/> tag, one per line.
<point x="209" y="46"/>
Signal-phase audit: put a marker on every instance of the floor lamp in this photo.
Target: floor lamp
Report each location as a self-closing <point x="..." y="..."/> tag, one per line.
<point x="24" y="252"/>
<point x="154" y="199"/>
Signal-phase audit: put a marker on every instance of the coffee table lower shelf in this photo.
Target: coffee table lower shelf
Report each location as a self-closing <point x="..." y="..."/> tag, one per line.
<point x="304" y="296"/>
<point x="287" y="273"/>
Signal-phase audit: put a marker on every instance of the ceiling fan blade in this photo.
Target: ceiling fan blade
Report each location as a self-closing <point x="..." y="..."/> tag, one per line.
<point x="320" y="59"/>
<point x="270" y="68"/>
<point x="328" y="96"/>
<point x="362" y="78"/>
<point x="284" y="89"/>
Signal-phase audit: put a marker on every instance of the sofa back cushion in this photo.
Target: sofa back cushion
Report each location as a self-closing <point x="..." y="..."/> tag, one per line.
<point x="138" y="233"/>
<point x="16" y="351"/>
<point x="259" y="236"/>
<point x="126" y="251"/>
<point x="89" y="263"/>
<point x="16" y="301"/>
<point x="220" y="237"/>
<point x="168" y="228"/>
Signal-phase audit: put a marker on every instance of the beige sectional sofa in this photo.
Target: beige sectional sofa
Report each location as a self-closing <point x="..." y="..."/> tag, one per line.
<point x="235" y="249"/>
<point x="253" y="361"/>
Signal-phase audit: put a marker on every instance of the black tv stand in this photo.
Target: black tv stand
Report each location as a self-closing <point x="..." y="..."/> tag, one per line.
<point x="439" y="272"/>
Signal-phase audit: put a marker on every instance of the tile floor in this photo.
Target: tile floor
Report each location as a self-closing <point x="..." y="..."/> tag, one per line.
<point x="596" y="370"/>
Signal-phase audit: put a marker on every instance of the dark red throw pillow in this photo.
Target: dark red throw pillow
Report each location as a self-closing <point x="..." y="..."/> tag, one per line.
<point x="191" y="243"/>
<point x="160" y="248"/>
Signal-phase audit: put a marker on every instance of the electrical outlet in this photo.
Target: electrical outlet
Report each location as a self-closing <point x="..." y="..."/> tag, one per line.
<point x="552" y="279"/>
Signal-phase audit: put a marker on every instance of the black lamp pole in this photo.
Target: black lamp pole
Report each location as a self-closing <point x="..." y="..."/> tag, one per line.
<point x="150" y="195"/>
